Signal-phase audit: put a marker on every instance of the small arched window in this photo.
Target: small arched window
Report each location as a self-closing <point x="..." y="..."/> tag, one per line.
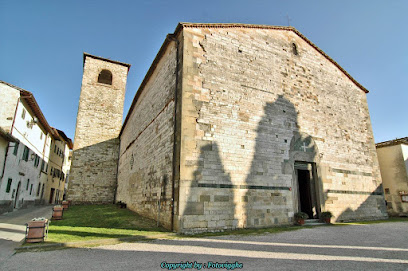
<point x="294" y="49"/>
<point x="105" y="77"/>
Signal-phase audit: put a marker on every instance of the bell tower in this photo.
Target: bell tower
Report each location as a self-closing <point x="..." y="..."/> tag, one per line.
<point x="93" y="173"/>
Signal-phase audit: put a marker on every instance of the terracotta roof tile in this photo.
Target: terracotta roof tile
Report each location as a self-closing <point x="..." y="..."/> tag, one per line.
<point x="397" y="141"/>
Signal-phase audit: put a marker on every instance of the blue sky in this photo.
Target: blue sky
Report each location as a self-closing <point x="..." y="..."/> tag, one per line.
<point x="42" y="42"/>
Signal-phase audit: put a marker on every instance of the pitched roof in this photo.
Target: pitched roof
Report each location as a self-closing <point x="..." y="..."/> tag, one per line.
<point x="29" y="99"/>
<point x="65" y="138"/>
<point x="398" y="141"/>
<point x="182" y="25"/>
<point x="106" y="59"/>
<point x="284" y="28"/>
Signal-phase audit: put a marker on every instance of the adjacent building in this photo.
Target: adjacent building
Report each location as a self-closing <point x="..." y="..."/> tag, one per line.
<point x="58" y="160"/>
<point x="233" y="126"/>
<point x="26" y="139"/>
<point x="393" y="160"/>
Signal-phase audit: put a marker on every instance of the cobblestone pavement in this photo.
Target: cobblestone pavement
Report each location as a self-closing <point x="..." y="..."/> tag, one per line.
<point x="12" y="228"/>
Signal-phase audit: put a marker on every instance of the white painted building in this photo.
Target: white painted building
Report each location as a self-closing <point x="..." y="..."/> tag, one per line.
<point x="5" y="139"/>
<point x="24" y="178"/>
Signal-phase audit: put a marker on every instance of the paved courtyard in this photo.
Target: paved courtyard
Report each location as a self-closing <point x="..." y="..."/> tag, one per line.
<point x="12" y="228"/>
<point x="357" y="247"/>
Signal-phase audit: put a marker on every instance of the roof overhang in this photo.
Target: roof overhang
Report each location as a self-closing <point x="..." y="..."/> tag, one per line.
<point x="398" y="141"/>
<point x="7" y="136"/>
<point x="64" y="137"/>
<point x="106" y="59"/>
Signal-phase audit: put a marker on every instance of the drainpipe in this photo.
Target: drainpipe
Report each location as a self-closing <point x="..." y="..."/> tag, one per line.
<point x="174" y="38"/>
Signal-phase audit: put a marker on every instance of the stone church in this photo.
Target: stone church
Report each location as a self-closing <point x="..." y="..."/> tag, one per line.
<point x="233" y="126"/>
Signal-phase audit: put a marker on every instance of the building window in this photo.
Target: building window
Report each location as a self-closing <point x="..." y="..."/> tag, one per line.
<point x="8" y="185"/>
<point x="294" y="49"/>
<point x="55" y="148"/>
<point x="26" y="153"/>
<point x="105" y="77"/>
<point x="31" y="188"/>
<point x="38" y="189"/>
<point x="28" y="183"/>
<point x="23" y="114"/>
<point x="37" y="160"/>
<point x="42" y="165"/>
<point x="16" y="148"/>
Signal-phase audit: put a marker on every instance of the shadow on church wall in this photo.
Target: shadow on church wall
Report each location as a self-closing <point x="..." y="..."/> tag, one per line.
<point x="210" y="192"/>
<point x="265" y="197"/>
<point x="273" y="175"/>
<point x="365" y="210"/>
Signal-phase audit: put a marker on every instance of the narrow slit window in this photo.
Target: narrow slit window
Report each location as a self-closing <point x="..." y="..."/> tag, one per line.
<point x="105" y="77"/>
<point x="294" y="49"/>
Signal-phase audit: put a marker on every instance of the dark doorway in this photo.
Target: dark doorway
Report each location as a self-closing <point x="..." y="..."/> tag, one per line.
<point x="42" y="193"/>
<point x="52" y="195"/>
<point x="305" y="195"/>
<point x="17" y="194"/>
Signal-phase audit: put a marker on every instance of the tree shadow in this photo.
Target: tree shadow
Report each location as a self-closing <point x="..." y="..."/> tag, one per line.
<point x="280" y="151"/>
<point x="263" y="196"/>
<point x="89" y="234"/>
<point x="375" y="198"/>
<point x="208" y="204"/>
<point x="104" y="216"/>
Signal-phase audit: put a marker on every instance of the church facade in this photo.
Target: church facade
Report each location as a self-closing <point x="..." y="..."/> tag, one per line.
<point x="233" y="126"/>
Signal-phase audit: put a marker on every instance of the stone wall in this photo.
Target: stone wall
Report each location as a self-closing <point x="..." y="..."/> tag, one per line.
<point x="96" y="145"/>
<point x="9" y="97"/>
<point x="255" y="101"/>
<point x="146" y="144"/>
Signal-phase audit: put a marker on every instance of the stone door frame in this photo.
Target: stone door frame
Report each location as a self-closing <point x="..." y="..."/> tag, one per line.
<point x="314" y="187"/>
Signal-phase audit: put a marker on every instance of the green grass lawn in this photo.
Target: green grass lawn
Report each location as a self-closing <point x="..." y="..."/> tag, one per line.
<point x="391" y="219"/>
<point x="92" y="222"/>
<point x="252" y="231"/>
<point x="89" y="222"/>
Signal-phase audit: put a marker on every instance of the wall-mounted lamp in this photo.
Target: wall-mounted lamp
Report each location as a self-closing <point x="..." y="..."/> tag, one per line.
<point x="31" y="123"/>
<point x="32" y="156"/>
